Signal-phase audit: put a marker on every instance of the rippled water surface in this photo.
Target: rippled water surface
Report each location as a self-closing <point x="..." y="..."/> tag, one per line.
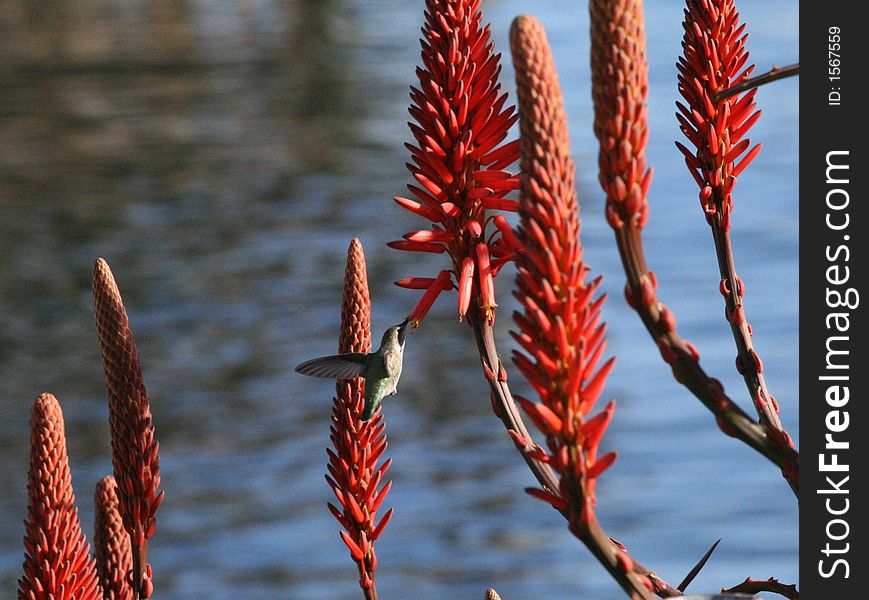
<point x="221" y="155"/>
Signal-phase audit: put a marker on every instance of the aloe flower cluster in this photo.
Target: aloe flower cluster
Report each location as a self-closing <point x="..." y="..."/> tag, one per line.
<point x="560" y="332"/>
<point x="57" y="560"/>
<point x="714" y="59"/>
<point x="111" y="543"/>
<point x="134" y="448"/>
<point x="559" y="329"/>
<point x="459" y="159"/>
<point x="354" y="475"/>
<point x="620" y="88"/>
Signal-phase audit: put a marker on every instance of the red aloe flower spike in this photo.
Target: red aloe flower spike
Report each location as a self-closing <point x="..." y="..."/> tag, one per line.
<point x="562" y="351"/>
<point x="619" y="90"/>
<point x="57" y="563"/>
<point x="714" y="59"/>
<point x="356" y="478"/>
<point x="111" y="543"/>
<point x="460" y="122"/>
<point x="134" y="449"/>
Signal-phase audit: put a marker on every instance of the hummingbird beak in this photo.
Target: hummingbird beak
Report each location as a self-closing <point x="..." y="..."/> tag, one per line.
<point x="402" y="330"/>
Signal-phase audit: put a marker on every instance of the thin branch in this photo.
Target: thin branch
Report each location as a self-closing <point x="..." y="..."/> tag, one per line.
<point x="684" y="359"/>
<point x="603" y="547"/>
<point x="748" y="361"/>
<point x="753" y="586"/>
<point x="717" y="131"/>
<point x="620" y="104"/>
<point x="773" y="74"/>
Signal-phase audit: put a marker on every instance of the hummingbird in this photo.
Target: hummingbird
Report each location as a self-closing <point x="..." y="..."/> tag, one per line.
<point x="381" y="368"/>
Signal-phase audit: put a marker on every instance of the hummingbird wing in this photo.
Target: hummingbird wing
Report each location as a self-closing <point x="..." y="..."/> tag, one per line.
<point x="339" y="366"/>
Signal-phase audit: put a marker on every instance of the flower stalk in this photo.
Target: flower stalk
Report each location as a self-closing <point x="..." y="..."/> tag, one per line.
<point x="57" y="560"/>
<point x="459" y="159"/>
<point x="112" y="549"/>
<point x="559" y="330"/>
<point x="620" y="91"/>
<point x="354" y="472"/>
<point x="134" y="448"/>
<point x="714" y="59"/>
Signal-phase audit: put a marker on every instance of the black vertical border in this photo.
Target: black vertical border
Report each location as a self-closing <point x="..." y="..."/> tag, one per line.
<point x="826" y="127"/>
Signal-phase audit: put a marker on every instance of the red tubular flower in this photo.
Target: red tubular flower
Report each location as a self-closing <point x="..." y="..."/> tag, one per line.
<point x="459" y="155"/>
<point x="714" y="59"/>
<point x="57" y="563"/>
<point x="134" y="449"/>
<point x="559" y="328"/>
<point x="354" y="475"/>
<point x="111" y="543"/>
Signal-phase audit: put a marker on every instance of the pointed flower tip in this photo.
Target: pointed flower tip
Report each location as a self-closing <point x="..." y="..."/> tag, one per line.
<point x="61" y="567"/>
<point x="716" y="129"/>
<point x="103" y="276"/>
<point x="112" y="550"/>
<point x="524" y="21"/>
<point x="134" y="447"/>
<point x="491" y="594"/>
<point x="355" y="333"/>
<point x="46" y="410"/>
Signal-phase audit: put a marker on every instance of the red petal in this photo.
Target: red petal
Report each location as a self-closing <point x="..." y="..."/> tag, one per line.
<point x="594" y="428"/>
<point x="422" y="307"/>
<point x="355" y="550"/>
<point x="466" y="280"/>
<point x="752" y="154"/>
<point x="428" y="235"/>
<point x="507" y="232"/>
<point x="593" y="388"/>
<point x="501" y="204"/>
<point x="432" y="247"/>
<point x="556" y="502"/>
<point x="382" y="525"/>
<point x="415" y="283"/>
<point x="602" y="464"/>
<point x="487" y="284"/>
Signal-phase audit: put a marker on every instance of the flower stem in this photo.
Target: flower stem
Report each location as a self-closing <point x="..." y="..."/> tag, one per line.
<point x="752" y="586"/>
<point x="773" y="74"/>
<point x="592" y="535"/>
<point x="685" y="364"/>
<point x="750" y="365"/>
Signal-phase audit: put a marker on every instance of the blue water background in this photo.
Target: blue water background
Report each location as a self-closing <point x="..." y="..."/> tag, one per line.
<point x="221" y="155"/>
